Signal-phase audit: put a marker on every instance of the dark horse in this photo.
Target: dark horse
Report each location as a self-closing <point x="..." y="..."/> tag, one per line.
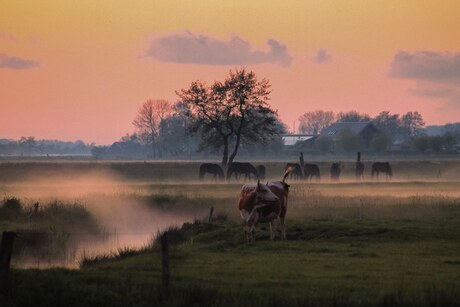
<point x="297" y="170"/>
<point x="211" y="168"/>
<point x="336" y="168"/>
<point x="310" y="171"/>
<point x="261" y="171"/>
<point x="383" y="167"/>
<point x="241" y="168"/>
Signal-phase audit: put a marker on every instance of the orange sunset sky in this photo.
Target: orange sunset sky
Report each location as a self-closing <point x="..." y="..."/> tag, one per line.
<point x="81" y="69"/>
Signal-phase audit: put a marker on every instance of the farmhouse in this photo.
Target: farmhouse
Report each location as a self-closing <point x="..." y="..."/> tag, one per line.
<point x="366" y="130"/>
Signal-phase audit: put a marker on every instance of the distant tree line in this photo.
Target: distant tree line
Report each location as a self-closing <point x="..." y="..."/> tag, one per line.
<point x="393" y="125"/>
<point x="400" y="132"/>
<point x="29" y="146"/>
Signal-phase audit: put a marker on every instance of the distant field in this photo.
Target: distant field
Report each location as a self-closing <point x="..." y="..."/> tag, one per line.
<point x="381" y="243"/>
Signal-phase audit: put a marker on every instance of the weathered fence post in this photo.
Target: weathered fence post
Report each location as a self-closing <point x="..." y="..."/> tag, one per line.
<point x="6" y="250"/>
<point x="165" y="263"/>
<point x="211" y="211"/>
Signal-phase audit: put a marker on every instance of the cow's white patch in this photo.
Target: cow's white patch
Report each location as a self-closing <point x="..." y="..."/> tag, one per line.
<point x="277" y="184"/>
<point x="249" y="187"/>
<point x="244" y="214"/>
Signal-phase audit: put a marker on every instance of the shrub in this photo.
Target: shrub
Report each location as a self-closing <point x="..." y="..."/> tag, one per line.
<point x="11" y="209"/>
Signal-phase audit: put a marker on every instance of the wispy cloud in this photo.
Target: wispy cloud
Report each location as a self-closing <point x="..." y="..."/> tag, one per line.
<point x="12" y="62"/>
<point x="189" y="48"/>
<point x="322" y="56"/>
<point x="7" y="37"/>
<point x="437" y="74"/>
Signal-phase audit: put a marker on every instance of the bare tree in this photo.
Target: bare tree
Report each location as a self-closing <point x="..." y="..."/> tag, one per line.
<point x="314" y="122"/>
<point x="148" y="120"/>
<point x="162" y="108"/>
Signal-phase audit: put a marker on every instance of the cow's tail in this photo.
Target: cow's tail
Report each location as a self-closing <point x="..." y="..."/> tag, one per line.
<point x="288" y="171"/>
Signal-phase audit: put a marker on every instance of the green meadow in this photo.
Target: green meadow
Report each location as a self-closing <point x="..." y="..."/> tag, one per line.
<point x="369" y="243"/>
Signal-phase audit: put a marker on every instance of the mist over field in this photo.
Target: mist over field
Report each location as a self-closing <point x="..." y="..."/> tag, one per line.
<point x="132" y="202"/>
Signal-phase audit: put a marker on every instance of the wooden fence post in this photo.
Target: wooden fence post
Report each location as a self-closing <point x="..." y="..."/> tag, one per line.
<point x="165" y="264"/>
<point x="6" y="250"/>
<point x="211" y="211"/>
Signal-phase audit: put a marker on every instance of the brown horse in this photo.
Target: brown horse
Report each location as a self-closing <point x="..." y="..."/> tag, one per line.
<point x="211" y="168"/>
<point x="241" y="168"/>
<point x="310" y="171"/>
<point x="336" y="169"/>
<point x="382" y="167"/>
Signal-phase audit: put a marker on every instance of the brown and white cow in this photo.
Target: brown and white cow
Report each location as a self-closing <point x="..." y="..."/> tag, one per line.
<point x="262" y="204"/>
<point x="252" y="198"/>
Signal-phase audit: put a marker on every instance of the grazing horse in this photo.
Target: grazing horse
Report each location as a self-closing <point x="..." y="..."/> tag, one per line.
<point x="336" y="169"/>
<point x="310" y="171"/>
<point x="383" y="167"/>
<point x="211" y="168"/>
<point x="241" y="168"/>
<point x="252" y="198"/>
<point x="296" y="170"/>
<point x="261" y="171"/>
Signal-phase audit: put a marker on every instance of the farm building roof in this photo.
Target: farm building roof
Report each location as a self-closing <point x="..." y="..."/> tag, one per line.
<point x="355" y="127"/>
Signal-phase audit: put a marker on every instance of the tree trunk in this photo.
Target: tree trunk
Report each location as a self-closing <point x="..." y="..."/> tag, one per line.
<point x="238" y="139"/>
<point x="225" y="154"/>
<point x="235" y="149"/>
<point x="153" y="149"/>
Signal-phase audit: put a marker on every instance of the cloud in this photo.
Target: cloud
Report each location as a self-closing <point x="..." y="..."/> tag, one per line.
<point x="8" y="37"/>
<point x="322" y="56"/>
<point x="189" y="48"/>
<point x="12" y="62"/>
<point x="426" y="65"/>
<point x="437" y="74"/>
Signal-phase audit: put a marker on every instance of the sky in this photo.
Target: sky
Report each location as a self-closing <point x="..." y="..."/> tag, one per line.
<point x="80" y="70"/>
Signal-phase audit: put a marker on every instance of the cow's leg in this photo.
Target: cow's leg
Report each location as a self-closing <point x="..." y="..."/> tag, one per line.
<point x="247" y="233"/>
<point x="272" y="230"/>
<point x="253" y="233"/>
<point x="283" y="228"/>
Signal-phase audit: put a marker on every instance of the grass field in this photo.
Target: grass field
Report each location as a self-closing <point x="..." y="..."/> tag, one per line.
<point x="370" y="243"/>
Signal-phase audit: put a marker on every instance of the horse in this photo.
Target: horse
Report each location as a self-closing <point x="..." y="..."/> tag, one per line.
<point x="336" y="168"/>
<point x="241" y="168"/>
<point x="211" y="168"/>
<point x="383" y="167"/>
<point x="310" y="171"/>
<point x="296" y="170"/>
<point x="261" y="171"/>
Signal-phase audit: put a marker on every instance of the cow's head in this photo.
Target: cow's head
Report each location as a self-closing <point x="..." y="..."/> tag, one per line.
<point x="264" y="194"/>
